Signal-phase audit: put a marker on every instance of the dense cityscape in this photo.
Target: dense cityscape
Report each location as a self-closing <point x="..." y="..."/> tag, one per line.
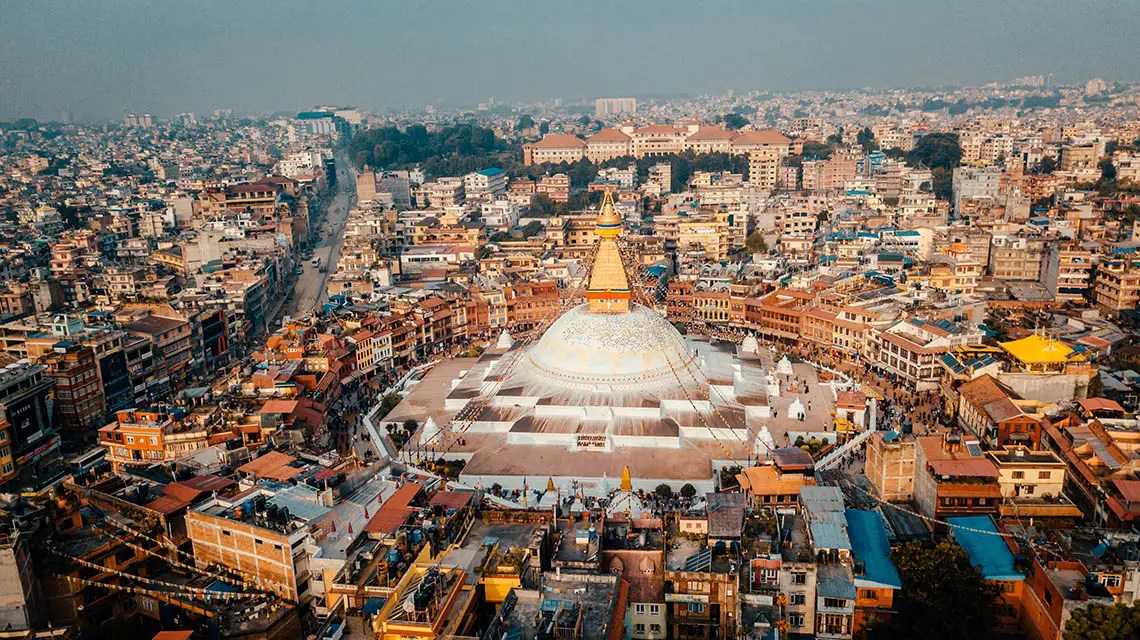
<point x="852" y="364"/>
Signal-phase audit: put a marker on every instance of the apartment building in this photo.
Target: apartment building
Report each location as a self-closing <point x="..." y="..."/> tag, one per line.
<point x="890" y="465"/>
<point x="143" y="438"/>
<point x="555" y="187"/>
<point x="1068" y="274"/>
<point x="251" y="538"/>
<point x="26" y="433"/>
<point x="1016" y="258"/>
<point x="80" y="404"/>
<point x="1117" y="284"/>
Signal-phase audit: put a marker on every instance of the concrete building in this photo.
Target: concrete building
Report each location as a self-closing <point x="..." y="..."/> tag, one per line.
<point x="614" y="106"/>
<point x="890" y="466"/>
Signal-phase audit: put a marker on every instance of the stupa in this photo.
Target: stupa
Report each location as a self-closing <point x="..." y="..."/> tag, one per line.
<point x="610" y="389"/>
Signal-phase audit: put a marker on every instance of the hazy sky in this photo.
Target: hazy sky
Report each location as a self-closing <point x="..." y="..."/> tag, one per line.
<point x="101" y="59"/>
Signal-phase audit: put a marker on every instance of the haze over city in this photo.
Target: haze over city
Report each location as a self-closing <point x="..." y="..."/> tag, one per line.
<point x="641" y="320"/>
<point x="95" y="61"/>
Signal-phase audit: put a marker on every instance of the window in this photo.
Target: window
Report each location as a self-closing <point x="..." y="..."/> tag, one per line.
<point x="148" y="605"/>
<point x="1044" y="475"/>
<point x="130" y="439"/>
<point x="796" y="620"/>
<point x="225" y="533"/>
<point x="797" y="598"/>
<point x="696" y="607"/>
<point x="655" y="628"/>
<point x="639" y="609"/>
<point x="1018" y="475"/>
<point x="1028" y="489"/>
<point x="654" y="609"/>
<point x="1110" y="581"/>
<point x="154" y="440"/>
<point x="799" y="577"/>
<point x="639" y="628"/>
<point x="834" y="603"/>
<point x="8" y="467"/>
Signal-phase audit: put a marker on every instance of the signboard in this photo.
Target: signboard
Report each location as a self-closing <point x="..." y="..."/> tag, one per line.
<point x="592" y="441"/>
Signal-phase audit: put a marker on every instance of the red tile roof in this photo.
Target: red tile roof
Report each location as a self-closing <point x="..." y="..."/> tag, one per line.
<point x="558" y="141"/>
<point x="266" y="464"/>
<point x="395" y="512"/>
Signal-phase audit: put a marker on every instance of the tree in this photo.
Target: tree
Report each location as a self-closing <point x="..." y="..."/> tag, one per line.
<point x="525" y="122"/>
<point x="821" y="151"/>
<point x="484" y="252"/>
<point x="688" y="491"/>
<point x="389" y="402"/>
<point x="756" y="244"/>
<point x="1107" y="170"/>
<point x="734" y="121"/>
<point x="544" y="127"/>
<point x="728" y="476"/>
<point x="1048" y="164"/>
<point x="936" y="150"/>
<point x="866" y="139"/>
<point x="943" y="597"/>
<point x="1103" y="622"/>
<point x="663" y="490"/>
<point x="943" y="186"/>
<point x="533" y="228"/>
<point x="541" y="206"/>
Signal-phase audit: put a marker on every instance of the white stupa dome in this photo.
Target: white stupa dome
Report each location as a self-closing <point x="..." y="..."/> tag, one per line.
<point x="624" y="351"/>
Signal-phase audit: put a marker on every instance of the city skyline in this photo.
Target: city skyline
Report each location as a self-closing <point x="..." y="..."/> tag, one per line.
<point x="98" y="63"/>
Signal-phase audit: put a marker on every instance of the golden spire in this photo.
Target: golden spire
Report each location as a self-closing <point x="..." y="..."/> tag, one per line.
<point x="626" y="481"/>
<point x="550" y="484"/>
<point x="609" y="290"/>
<point x="608" y="224"/>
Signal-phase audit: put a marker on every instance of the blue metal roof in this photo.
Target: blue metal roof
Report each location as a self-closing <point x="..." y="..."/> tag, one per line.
<point x="987" y="551"/>
<point x="869" y="545"/>
<point x="493" y="171"/>
<point x="373" y="605"/>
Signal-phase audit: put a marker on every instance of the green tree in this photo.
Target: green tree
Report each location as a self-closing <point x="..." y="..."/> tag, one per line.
<point x="389" y="402"/>
<point x="541" y="206"/>
<point x="1103" y="622"/>
<point x="936" y="150"/>
<point x="1048" y="164"/>
<point x="410" y="426"/>
<point x="1107" y="170"/>
<point x="734" y="121"/>
<point x="942" y="597"/>
<point x="533" y="228"/>
<point x="688" y="490"/>
<point x="821" y="151"/>
<point x="728" y="476"/>
<point x="756" y="244"/>
<point x="544" y="127"/>
<point x="525" y="122"/>
<point x="943" y="186"/>
<point x="484" y="252"/>
<point x="866" y="139"/>
<point x="663" y="490"/>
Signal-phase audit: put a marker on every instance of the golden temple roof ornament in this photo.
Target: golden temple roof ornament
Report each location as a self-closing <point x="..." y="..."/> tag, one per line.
<point x="608" y="291"/>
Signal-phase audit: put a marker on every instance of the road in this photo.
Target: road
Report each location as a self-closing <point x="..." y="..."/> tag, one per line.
<point x="309" y="291"/>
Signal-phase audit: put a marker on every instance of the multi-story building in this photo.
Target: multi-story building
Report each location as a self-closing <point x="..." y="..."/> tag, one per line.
<point x="614" y="106"/>
<point x="26" y="433"/>
<point x="1016" y="258"/>
<point x="1068" y="274"/>
<point x="1117" y="284"/>
<point x="890" y="466"/>
<point x="487" y="184"/>
<point x="245" y="537"/>
<point x="79" y="400"/>
<point x="608" y="144"/>
<point x="554" y="149"/>
<point x="555" y="187"/>
<point x="144" y="438"/>
<point x="954" y="478"/>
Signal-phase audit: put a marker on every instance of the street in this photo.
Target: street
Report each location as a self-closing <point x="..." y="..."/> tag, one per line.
<point x="309" y="290"/>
